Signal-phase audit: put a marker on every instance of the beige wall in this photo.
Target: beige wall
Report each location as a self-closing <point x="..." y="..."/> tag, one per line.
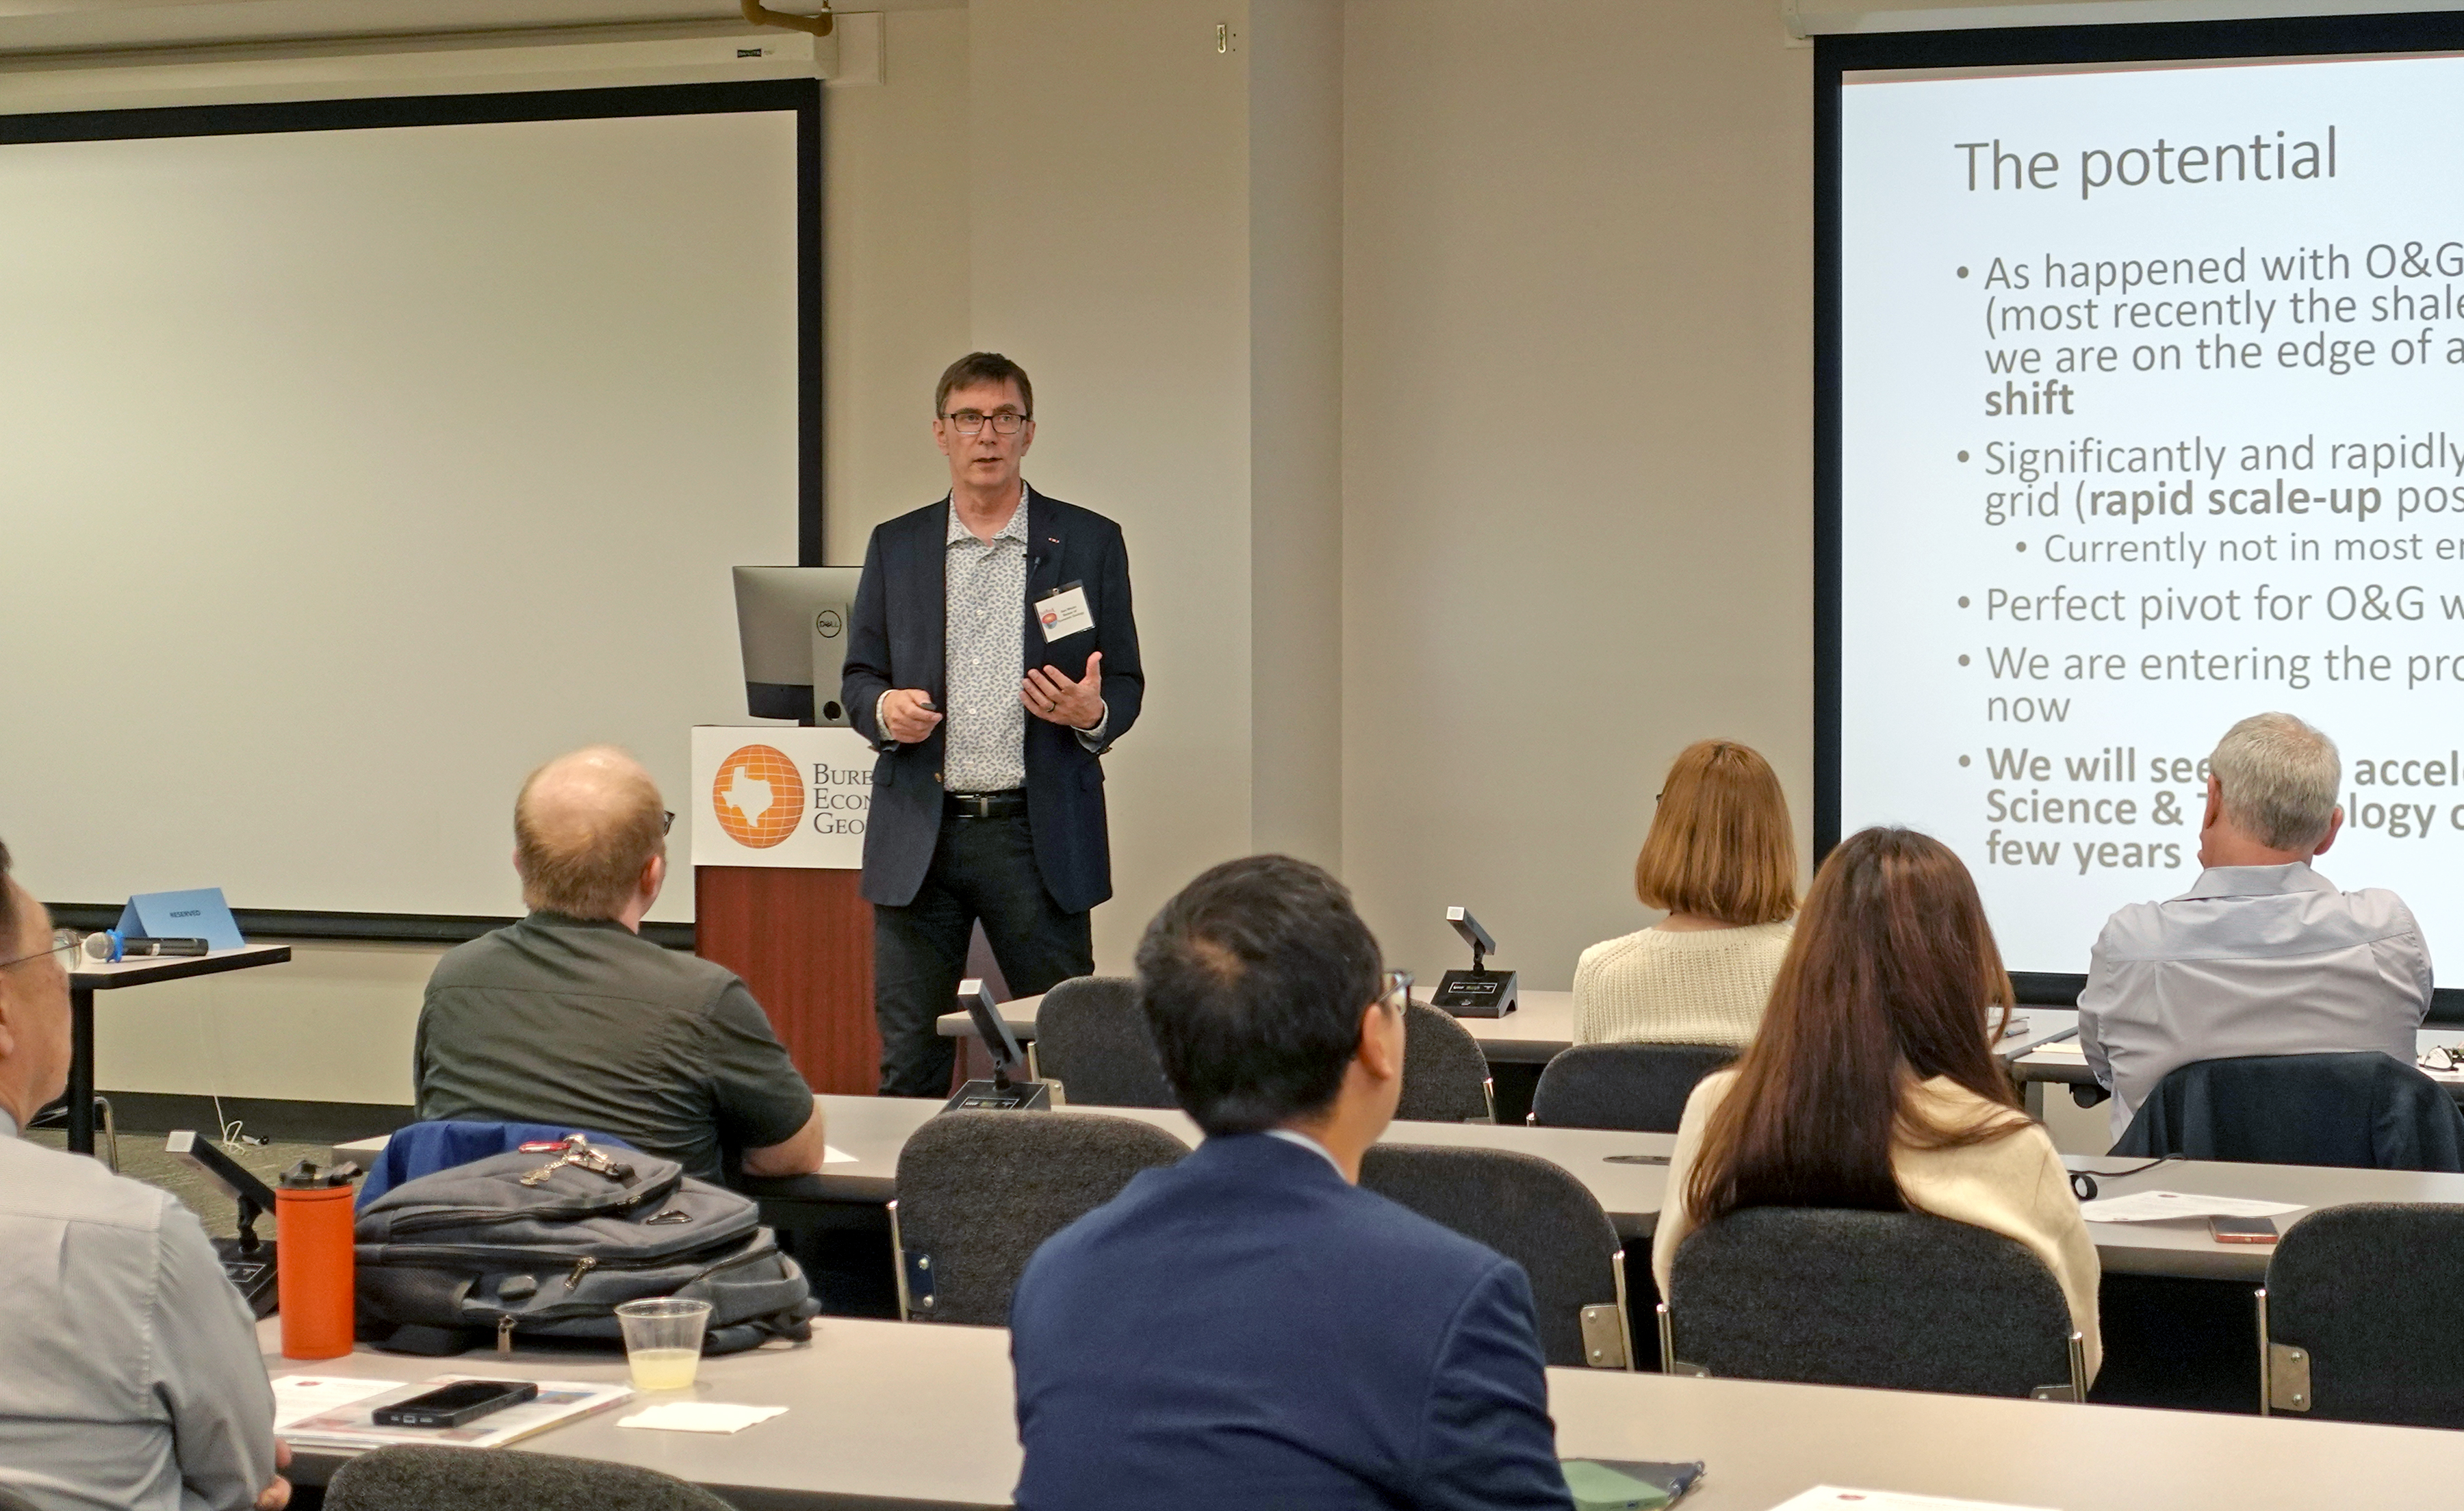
<point x="1465" y="469"/>
<point x="1111" y="257"/>
<point x="1577" y="437"/>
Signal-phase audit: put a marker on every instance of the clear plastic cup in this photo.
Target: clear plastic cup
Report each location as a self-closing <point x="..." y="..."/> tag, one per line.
<point x="662" y="1341"/>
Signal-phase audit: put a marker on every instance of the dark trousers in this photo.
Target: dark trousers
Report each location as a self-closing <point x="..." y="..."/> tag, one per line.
<point x="982" y="868"/>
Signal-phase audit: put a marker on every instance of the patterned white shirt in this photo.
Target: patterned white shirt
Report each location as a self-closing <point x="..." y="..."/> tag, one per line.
<point x="984" y="658"/>
<point x="984" y="655"/>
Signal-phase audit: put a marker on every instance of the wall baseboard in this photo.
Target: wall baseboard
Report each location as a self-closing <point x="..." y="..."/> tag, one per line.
<point x="263" y="1117"/>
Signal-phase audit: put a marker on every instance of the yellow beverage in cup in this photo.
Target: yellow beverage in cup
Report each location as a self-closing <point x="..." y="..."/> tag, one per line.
<point x="662" y="1369"/>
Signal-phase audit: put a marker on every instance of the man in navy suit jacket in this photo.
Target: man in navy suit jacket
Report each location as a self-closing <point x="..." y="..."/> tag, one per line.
<point x="992" y="661"/>
<point x="1248" y="1328"/>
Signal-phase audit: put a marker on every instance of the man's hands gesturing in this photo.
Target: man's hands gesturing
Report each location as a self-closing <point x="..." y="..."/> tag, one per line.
<point x="1055" y="699"/>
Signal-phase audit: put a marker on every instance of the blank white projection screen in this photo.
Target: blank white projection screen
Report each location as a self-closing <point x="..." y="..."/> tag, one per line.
<point x="2152" y="401"/>
<point x="348" y="475"/>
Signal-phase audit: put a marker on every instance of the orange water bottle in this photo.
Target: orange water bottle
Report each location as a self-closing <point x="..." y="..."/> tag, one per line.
<point x="313" y="1263"/>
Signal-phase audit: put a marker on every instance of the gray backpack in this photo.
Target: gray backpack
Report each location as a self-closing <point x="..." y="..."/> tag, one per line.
<point x="545" y="1245"/>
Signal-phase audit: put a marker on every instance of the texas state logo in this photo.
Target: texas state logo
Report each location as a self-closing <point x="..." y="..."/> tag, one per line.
<point x="758" y="798"/>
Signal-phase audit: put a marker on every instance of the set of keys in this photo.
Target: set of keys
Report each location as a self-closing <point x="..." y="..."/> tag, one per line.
<point x="576" y="1151"/>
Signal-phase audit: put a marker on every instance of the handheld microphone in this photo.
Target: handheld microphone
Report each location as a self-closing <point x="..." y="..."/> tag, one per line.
<point x="109" y="945"/>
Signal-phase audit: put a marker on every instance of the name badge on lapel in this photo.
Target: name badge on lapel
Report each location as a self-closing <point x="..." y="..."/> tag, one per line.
<point x="1063" y="612"/>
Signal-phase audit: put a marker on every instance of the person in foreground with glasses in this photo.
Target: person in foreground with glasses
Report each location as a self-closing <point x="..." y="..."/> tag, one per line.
<point x="1872" y="1085"/>
<point x="133" y="1377"/>
<point x="569" y="1018"/>
<point x="1248" y="1327"/>
<point x="991" y="660"/>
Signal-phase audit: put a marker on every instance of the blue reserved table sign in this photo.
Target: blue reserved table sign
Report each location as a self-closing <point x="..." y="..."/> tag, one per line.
<point x="199" y="914"/>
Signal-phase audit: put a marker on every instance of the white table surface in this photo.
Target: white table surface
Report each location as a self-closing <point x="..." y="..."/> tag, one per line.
<point x="925" y="1412"/>
<point x="1534" y="1032"/>
<point x="875" y="1128"/>
<point x="2064" y="1062"/>
<point x="100" y="977"/>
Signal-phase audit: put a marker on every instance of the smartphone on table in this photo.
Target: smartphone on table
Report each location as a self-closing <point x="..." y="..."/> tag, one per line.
<point x="2242" y="1229"/>
<point x="454" y="1404"/>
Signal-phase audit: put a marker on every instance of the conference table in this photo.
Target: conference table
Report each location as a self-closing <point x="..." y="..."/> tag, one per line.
<point x="1628" y="1175"/>
<point x="1541" y="1028"/>
<point x="2062" y="1061"/>
<point x="914" y="1415"/>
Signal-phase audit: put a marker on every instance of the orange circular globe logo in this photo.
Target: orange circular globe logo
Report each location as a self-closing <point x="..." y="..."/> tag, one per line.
<point x="758" y="798"/>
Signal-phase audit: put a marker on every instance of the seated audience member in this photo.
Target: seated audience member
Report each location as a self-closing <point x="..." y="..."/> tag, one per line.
<point x="571" y="1017"/>
<point x="133" y="1381"/>
<point x="1249" y="1328"/>
<point x="2262" y="955"/>
<point x="1873" y="1084"/>
<point x="1721" y="861"/>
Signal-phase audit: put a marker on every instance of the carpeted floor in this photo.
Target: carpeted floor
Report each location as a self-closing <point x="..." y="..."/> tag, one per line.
<point x="141" y="1158"/>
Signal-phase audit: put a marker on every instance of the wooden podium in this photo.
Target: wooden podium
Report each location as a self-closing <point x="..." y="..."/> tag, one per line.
<point x="778" y="818"/>
<point x="803" y="941"/>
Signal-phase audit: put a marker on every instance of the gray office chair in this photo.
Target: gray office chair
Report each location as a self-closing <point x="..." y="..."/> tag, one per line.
<point x="1091" y="1035"/>
<point x="1445" y="1076"/>
<point x="2360" y="1110"/>
<point x="1638" y="1087"/>
<point x="422" y="1478"/>
<point x="2358" y="1320"/>
<point x="1898" y="1301"/>
<point x="979" y="1192"/>
<point x="1535" y="1214"/>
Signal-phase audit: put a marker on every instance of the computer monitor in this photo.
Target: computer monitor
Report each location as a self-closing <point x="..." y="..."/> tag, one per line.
<point x="792" y="623"/>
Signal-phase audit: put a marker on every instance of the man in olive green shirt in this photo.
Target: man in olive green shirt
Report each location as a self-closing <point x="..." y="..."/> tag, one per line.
<point x="570" y="1018"/>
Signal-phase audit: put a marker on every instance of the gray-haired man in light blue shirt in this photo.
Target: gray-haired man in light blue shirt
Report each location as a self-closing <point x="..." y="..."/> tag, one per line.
<point x="2262" y="955"/>
<point x="132" y="1380"/>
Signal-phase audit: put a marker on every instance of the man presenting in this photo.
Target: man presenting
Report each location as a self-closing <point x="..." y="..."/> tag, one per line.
<point x="991" y="660"/>
<point x="2262" y="955"/>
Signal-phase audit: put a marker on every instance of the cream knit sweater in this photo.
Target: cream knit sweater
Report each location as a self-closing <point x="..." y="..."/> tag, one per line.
<point x="2016" y="1186"/>
<point x="1699" y="987"/>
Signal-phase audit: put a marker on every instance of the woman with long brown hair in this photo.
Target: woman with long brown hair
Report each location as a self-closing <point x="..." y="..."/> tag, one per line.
<point x="1719" y="860"/>
<point x="1873" y="1084"/>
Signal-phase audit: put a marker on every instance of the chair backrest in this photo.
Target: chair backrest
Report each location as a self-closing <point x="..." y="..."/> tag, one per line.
<point x="2364" y="1112"/>
<point x="1445" y="1076"/>
<point x="1641" y="1087"/>
<point x="979" y="1192"/>
<point x="423" y="1478"/>
<point x="2358" y="1322"/>
<point x="1092" y="1036"/>
<point x="1535" y="1214"/>
<point x="1896" y="1299"/>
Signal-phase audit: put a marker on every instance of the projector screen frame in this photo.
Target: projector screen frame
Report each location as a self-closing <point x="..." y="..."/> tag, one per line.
<point x="1835" y="56"/>
<point x="802" y="97"/>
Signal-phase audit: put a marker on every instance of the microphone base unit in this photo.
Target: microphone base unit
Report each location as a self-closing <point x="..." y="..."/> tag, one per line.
<point x="991" y="1096"/>
<point x="1475" y="993"/>
<point x="251" y="1272"/>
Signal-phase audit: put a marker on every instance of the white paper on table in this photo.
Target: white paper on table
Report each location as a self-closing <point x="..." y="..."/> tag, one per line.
<point x="700" y="1417"/>
<point x="299" y="1396"/>
<point x="1830" y="1495"/>
<point x="2060" y="1049"/>
<point x="836" y="1156"/>
<point x="2161" y="1206"/>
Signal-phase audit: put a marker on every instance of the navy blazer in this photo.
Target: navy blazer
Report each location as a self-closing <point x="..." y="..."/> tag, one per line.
<point x="895" y="640"/>
<point x="1246" y="1328"/>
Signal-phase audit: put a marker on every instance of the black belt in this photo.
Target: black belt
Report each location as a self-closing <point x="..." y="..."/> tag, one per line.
<point x="982" y="805"/>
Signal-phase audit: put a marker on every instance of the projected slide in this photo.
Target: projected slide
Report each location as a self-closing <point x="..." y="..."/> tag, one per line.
<point x="2152" y="417"/>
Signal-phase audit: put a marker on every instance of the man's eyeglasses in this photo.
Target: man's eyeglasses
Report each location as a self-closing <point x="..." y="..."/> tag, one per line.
<point x="1005" y="422"/>
<point x="63" y="944"/>
<point x="1395" y="988"/>
<point x="667" y="821"/>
